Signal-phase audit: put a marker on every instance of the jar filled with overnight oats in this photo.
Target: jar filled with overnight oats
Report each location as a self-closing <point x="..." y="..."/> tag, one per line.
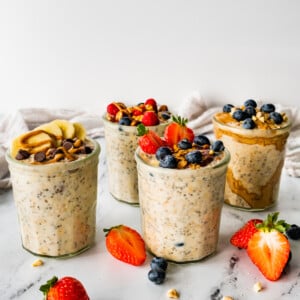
<point x="121" y="140"/>
<point x="55" y="191"/>
<point x="181" y="206"/>
<point x="256" y="138"/>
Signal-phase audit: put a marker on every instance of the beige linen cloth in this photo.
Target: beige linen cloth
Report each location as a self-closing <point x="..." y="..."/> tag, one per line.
<point x="198" y="110"/>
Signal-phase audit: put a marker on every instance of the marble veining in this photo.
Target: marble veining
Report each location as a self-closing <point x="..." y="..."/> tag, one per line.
<point x="228" y="272"/>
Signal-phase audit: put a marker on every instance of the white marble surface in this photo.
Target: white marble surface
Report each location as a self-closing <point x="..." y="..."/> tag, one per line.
<point x="228" y="272"/>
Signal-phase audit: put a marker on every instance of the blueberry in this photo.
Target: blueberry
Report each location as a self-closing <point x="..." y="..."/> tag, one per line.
<point x="169" y="161"/>
<point x="248" y="123"/>
<point x="293" y="232"/>
<point x="218" y="146"/>
<point x="194" y="157"/>
<point x="158" y="277"/>
<point x="250" y="102"/>
<point x="201" y="140"/>
<point x="184" y="144"/>
<point x="161" y="152"/>
<point x="267" y="108"/>
<point x="159" y="264"/>
<point x="165" y="115"/>
<point x="239" y="115"/>
<point x="227" y="108"/>
<point x="276" y="117"/>
<point x="250" y="110"/>
<point x="125" y="121"/>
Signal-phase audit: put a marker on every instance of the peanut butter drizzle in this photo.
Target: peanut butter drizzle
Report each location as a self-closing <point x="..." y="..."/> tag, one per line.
<point x="264" y="197"/>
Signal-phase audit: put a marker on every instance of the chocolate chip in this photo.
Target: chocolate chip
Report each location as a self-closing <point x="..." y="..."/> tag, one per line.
<point x="39" y="156"/>
<point x="67" y="145"/>
<point x="88" y="149"/>
<point x="22" y="154"/>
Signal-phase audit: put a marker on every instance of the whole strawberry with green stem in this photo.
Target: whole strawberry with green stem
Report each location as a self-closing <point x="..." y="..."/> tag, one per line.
<point x="177" y="130"/>
<point x="65" y="288"/>
<point x="269" y="248"/>
<point x="149" y="141"/>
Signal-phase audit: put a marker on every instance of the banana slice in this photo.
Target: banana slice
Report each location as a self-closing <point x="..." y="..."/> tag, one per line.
<point x="79" y="131"/>
<point x="67" y="128"/>
<point x="52" y="128"/>
<point x="32" y="141"/>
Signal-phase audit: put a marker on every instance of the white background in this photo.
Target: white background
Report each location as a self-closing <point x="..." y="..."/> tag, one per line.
<point x="84" y="54"/>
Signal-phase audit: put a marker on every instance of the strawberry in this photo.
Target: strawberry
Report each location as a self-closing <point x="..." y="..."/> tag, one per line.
<point x="151" y="104"/>
<point x="66" y="288"/>
<point x="241" y="238"/>
<point x="150" y="118"/>
<point x="149" y="141"/>
<point x="112" y="109"/>
<point x="268" y="248"/>
<point x="125" y="244"/>
<point x="177" y="130"/>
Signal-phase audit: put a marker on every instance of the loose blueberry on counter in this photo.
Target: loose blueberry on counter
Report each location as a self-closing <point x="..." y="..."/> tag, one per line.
<point x="227" y="108"/>
<point x="218" y="146"/>
<point x="184" y="144"/>
<point x="194" y="157"/>
<point x="250" y="102"/>
<point x="267" y="108"/>
<point x="125" y="121"/>
<point x="250" y="110"/>
<point x="158" y="264"/>
<point x="248" y="123"/>
<point x="156" y="276"/>
<point x="239" y="115"/>
<point x="201" y="140"/>
<point x="293" y="232"/>
<point x="161" y="152"/>
<point x="169" y="161"/>
<point x="276" y="117"/>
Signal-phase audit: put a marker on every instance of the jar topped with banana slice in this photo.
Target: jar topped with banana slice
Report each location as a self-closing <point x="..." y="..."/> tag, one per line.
<point x="54" y="171"/>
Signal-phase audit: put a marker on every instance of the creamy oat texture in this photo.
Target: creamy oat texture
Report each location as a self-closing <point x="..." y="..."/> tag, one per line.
<point x="257" y="157"/>
<point x="56" y="204"/>
<point x="121" y="142"/>
<point x="181" y="209"/>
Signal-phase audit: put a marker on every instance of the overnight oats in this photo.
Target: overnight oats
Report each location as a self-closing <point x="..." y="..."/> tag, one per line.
<point x="54" y="178"/>
<point x="120" y="123"/>
<point x="256" y="138"/>
<point x="181" y="191"/>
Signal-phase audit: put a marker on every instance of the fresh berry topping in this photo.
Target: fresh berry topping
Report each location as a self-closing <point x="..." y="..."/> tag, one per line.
<point x="151" y="104"/>
<point x="227" y="108"/>
<point x="267" y="108"/>
<point x="184" y="144"/>
<point x="218" y="146"/>
<point x="241" y="238"/>
<point x="250" y="102"/>
<point x="268" y="248"/>
<point x="276" y="117"/>
<point x="168" y="161"/>
<point x="293" y="232"/>
<point x="125" y="244"/>
<point x="66" y="288"/>
<point x="150" y="118"/>
<point x="162" y="152"/>
<point x="250" y="110"/>
<point x="248" y="123"/>
<point x="149" y="141"/>
<point x="158" y="277"/>
<point x="239" y="115"/>
<point x="194" y="157"/>
<point x="112" y="109"/>
<point x="201" y="140"/>
<point x="165" y="115"/>
<point x="177" y="130"/>
<point x="126" y="121"/>
<point x="159" y="263"/>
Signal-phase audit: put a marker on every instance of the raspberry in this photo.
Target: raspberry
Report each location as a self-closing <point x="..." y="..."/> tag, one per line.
<point x="112" y="109"/>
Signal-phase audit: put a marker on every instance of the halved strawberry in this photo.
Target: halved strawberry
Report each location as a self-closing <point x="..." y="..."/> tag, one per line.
<point x="149" y="141"/>
<point x="151" y="104"/>
<point x="65" y="288"/>
<point x="150" y="118"/>
<point x="269" y="249"/>
<point x="125" y="244"/>
<point x="241" y="238"/>
<point x="112" y="109"/>
<point x="177" y="130"/>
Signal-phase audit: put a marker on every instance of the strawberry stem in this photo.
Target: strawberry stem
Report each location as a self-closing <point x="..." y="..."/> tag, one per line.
<point x="107" y="230"/>
<point x="179" y="120"/>
<point x="47" y="286"/>
<point x="271" y="223"/>
<point x="141" y="129"/>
